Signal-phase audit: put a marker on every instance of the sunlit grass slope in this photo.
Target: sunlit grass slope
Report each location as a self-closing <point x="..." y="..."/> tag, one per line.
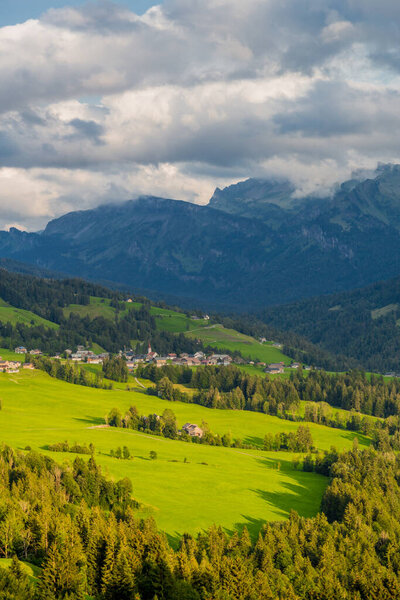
<point x="233" y="488"/>
<point x="10" y="314"/>
<point x="219" y="337"/>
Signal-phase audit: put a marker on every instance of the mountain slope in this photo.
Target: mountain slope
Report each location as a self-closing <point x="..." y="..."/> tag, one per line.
<point x="362" y="324"/>
<point x="256" y="244"/>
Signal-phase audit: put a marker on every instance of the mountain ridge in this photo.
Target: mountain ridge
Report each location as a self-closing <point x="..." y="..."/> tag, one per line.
<point x="279" y="248"/>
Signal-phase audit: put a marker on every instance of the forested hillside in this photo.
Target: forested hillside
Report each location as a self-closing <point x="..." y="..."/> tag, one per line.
<point x="362" y="325"/>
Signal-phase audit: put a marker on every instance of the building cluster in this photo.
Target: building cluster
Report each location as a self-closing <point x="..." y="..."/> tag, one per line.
<point x="13" y="366"/>
<point x="188" y="360"/>
<point x="84" y="355"/>
<point x="278" y="368"/>
<point x="197" y="359"/>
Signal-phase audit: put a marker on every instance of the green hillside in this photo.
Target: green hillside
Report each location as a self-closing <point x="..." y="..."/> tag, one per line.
<point x="229" y="339"/>
<point x="176" y="322"/>
<point x="10" y="314"/>
<point x="247" y="486"/>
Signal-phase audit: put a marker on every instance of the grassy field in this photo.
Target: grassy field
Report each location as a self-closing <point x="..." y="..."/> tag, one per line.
<point x="9" y="314"/>
<point x="98" y="307"/>
<point x="189" y="486"/>
<point x="229" y="339"/>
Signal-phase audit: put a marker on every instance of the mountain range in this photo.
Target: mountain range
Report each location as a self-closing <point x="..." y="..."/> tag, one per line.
<point x="255" y="244"/>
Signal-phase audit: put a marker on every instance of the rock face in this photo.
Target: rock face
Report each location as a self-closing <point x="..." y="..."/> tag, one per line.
<point x="254" y="244"/>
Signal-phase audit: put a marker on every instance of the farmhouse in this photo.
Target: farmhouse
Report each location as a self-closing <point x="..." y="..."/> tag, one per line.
<point x="21" y="350"/>
<point x="192" y="430"/>
<point x="275" y="368"/>
<point x="28" y="366"/>
<point x="94" y="360"/>
<point x="35" y="352"/>
<point x="159" y="361"/>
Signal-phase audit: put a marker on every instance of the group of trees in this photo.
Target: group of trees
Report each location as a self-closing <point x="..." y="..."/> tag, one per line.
<point x="70" y="372"/>
<point x="83" y="532"/>
<point x="165" y="425"/>
<point x="121" y="453"/>
<point x="115" y="368"/>
<point x="75" y="448"/>
<point x="299" y="441"/>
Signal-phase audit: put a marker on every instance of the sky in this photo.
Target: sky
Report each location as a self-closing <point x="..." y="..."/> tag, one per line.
<point x="104" y="101"/>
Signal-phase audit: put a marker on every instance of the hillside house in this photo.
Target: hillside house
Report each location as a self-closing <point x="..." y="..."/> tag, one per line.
<point x="275" y="368"/>
<point x="94" y="360"/>
<point x="35" y="352"/>
<point x="21" y="350"/>
<point x="28" y="366"/>
<point x="193" y="430"/>
<point x="4" y="365"/>
<point x="129" y="300"/>
<point x="159" y="361"/>
<point x="14" y="364"/>
<point x="172" y="355"/>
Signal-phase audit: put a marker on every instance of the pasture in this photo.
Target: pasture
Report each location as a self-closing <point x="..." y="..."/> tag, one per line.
<point x="189" y="486"/>
<point x="229" y="339"/>
<point x="10" y="314"/>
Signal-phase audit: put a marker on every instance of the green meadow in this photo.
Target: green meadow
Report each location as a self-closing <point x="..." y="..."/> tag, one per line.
<point x="229" y="339"/>
<point x="189" y="486"/>
<point x="9" y="314"/>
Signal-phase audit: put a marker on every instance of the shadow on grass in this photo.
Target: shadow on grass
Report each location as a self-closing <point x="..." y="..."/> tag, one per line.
<point x="254" y="441"/>
<point x="362" y="439"/>
<point x="285" y="464"/>
<point x="90" y="420"/>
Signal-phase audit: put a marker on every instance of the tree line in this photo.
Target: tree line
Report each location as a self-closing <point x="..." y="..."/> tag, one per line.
<point x="230" y="387"/>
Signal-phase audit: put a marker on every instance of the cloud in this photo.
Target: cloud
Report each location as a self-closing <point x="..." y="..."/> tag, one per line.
<point x="100" y="104"/>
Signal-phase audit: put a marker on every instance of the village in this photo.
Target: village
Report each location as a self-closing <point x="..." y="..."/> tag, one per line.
<point x="198" y="359"/>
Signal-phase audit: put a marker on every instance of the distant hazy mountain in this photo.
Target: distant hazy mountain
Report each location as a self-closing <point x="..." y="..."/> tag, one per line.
<point x="255" y="243"/>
